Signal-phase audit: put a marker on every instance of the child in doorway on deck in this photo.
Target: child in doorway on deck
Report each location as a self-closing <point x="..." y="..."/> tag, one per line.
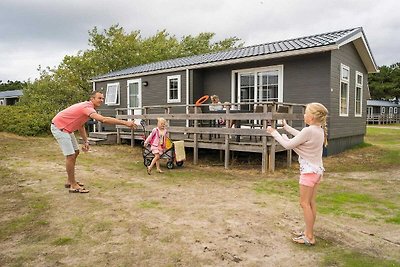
<point x="308" y="144"/>
<point x="157" y="140"/>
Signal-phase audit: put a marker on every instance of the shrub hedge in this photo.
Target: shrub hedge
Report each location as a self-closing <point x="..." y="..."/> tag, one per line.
<point x="23" y="120"/>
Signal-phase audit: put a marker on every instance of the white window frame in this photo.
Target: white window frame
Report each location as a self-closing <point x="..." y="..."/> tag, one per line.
<point x="383" y="111"/>
<point x="116" y="99"/>
<point x="178" y="77"/>
<point x="395" y="110"/>
<point x="254" y="71"/>
<point x="345" y="81"/>
<point x="358" y="85"/>
<point x="2" y="102"/>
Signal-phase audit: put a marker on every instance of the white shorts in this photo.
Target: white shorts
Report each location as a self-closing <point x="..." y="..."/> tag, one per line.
<point x="67" y="141"/>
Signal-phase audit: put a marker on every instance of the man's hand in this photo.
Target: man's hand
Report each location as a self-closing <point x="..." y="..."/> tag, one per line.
<point x="131" y="124"/>
<point x="85" y="147"/>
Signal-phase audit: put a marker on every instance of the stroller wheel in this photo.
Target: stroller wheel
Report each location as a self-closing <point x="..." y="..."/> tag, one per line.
<point x="147" y="162"/>
<point x="170" y="164"/>
<point x="179" y="163"/>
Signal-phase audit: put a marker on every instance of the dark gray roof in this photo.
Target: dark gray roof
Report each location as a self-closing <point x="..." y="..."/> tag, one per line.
<point x="313" y="41"/>
<point x="382" y="103"/>
<point x="13" y="93"/>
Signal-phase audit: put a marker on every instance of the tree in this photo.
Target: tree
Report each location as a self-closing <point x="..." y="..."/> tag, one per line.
<point x="386" y="83"/>
<point x="12" y="85"/>
<point x="110" y="50"/>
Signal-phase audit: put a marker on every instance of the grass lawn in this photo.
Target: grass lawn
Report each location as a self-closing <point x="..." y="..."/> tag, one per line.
<point x="196" y="215"/>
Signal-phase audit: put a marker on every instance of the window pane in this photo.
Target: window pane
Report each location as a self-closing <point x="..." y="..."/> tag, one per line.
<point x="267" y="85"/>
<point x="112" y="94"/>
<point x="134" y="94"/>
<point x="173" y="89"/>
<point x="345" y="74"/>
<point x="343" y="98"/>
<point x="359" y="79"/>
<point x="246" y="87"/>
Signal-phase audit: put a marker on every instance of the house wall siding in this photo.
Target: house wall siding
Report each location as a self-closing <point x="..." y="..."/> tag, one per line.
<point x="349" y="125"/>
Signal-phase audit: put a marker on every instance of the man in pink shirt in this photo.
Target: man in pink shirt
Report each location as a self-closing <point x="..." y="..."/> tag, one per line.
<point x="72" y="119"/>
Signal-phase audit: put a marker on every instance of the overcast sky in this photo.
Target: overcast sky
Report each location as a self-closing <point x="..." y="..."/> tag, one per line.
<point x="42" y="32"/>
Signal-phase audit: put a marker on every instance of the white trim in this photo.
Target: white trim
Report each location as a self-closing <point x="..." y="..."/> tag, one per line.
<point x="254" y="71"/>
<point x="362" y="49"/>
<point x="358" y="85"/>
<point x="342" y="66"/>
<point x="178" y="77"/>
<point x="228" y="62"/>
<point x="138" y="110"/>
<point x="187" y="94"/>
<point x="117" y="95"/>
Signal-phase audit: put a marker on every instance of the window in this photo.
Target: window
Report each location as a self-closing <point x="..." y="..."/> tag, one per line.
<point x="358" y="94"/>
<point x="174" y="89"/>
<point x="383" y="110"/>
<point x="258" y="85"/>
<point x="112" y="94"/>
<point x="344" y="90"/>
<point x="395" y="110"/>
<point x="1" y="102"/>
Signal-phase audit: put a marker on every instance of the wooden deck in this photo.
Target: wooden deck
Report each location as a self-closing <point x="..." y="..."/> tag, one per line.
<point x="199" y="130"/>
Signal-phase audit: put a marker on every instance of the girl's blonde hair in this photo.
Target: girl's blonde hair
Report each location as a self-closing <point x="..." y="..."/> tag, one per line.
<point x="320" y="113"/>
<point x="161" y="120"/>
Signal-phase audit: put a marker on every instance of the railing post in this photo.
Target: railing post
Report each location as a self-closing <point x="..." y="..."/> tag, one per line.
<point x="264" y="159"/>
<point x="195" y="140"/>
<point x="227" y="125"/>
<point x="289" y="152"/>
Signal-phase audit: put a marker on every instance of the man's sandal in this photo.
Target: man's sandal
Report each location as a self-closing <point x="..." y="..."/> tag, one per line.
<point x="302" y="240"/>
<point x="78" y="190"/>
<point x="68" y="185"/>
<point x="297" y="233"/>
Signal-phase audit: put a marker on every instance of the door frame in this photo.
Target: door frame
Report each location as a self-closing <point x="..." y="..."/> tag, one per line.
<point x="235" y="90"/>
<point x="139" y="110"/>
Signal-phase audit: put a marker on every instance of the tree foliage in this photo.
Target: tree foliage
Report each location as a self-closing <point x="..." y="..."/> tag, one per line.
<point x="110" y="50"/>
<point x="386" y="83"/>
<point x="11" y="85"/>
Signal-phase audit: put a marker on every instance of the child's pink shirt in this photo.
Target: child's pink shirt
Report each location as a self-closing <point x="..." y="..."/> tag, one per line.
<point x="74" y="117"/>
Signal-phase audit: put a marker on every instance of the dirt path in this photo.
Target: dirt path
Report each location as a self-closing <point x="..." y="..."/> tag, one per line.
<point x="177" y="219"/>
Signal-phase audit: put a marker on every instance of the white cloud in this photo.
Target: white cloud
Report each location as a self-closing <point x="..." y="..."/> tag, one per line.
<point x="42" y="32"/>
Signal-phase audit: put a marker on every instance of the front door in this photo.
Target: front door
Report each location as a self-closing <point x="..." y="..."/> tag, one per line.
<point x="134" y="94"/>
<point x="259" y="85"/>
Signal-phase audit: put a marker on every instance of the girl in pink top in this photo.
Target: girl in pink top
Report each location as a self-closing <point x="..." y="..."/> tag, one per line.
<point x="157" y="140"/>
<point x="308" y="144"/>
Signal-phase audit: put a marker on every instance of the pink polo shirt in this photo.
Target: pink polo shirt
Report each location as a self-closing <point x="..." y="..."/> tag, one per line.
<point x="73" y="117"/>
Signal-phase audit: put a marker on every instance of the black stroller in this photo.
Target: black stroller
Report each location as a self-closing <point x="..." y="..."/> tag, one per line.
<point x="169" y="152"/>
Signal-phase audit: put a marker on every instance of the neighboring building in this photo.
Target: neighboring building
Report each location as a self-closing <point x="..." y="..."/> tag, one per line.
<point x="8" y="98"/>
<point x="331" y="68"/>
<point x="383" y="112"/>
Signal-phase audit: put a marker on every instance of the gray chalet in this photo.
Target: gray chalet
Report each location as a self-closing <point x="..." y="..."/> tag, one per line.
<point x="331" y="68"/>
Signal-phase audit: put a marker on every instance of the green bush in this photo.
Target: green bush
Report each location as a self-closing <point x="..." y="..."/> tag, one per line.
<point x="23" y="120"/>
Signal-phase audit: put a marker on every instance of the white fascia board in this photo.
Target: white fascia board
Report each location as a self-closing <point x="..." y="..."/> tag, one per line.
<point x="363" y="49"/>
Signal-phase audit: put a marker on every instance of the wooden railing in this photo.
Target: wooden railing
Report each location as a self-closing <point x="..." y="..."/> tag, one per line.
<point x="383" y="118"/>
<point x="188" y="126"/>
